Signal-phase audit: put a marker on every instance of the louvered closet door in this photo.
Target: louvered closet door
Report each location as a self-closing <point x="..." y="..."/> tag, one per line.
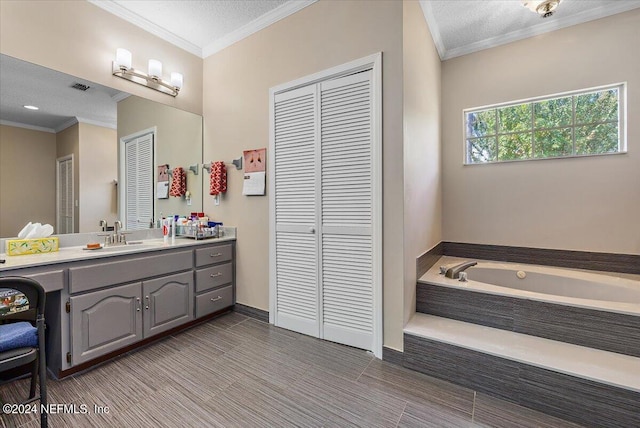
<point x="65" y="196"/>
<point x="347" y="206"/>
<point x="296" y="244"/>
<point x="139" y="182"/>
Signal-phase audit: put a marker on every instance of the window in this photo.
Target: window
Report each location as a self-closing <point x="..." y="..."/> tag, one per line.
<point x="582" y="123"/>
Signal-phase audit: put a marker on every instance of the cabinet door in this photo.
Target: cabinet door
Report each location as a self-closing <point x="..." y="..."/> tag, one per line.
<point x="104" y="321"/>
<point x="168" y="302"/>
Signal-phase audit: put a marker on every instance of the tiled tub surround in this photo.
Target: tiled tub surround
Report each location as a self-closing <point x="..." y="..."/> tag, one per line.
<point x="558" y="379"/>
<point x="498" y="340"/>
<point x="612" y="325"/>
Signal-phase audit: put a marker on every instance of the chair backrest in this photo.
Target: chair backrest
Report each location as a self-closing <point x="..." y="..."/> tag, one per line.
<point x="21" y="299"/>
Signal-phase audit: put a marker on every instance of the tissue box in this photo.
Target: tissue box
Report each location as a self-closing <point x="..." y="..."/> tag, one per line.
<point x="18" y="247"/>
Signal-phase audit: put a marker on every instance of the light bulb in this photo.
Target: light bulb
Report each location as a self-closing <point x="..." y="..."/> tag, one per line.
<point x="123" y="58"/>
<point x="155" y="68"/>
<point x="176" y="80"/>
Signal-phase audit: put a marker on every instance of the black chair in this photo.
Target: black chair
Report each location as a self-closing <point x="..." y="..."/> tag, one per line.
<point x="22" y="334"/>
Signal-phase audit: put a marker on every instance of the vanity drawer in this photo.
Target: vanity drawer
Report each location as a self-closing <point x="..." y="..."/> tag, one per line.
<point x="213" y="301"/>
<point x="214" y="276"/>
<point x="50" y="281"/>
<point x="211" y="255"/>
<point x="127" y="269"/>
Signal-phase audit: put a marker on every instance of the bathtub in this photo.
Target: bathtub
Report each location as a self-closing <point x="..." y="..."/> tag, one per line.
<point x="548" y="284"/>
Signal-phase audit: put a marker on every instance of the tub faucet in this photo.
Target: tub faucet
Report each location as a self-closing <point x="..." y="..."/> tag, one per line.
<point x="454" y="272"/>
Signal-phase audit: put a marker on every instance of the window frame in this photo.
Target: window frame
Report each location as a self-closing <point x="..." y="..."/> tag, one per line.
<point x="622" y="128"/>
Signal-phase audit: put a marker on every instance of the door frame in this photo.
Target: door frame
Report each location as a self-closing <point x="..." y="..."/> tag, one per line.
<point x="121" y="170"/>
<point x="374" y="63"/>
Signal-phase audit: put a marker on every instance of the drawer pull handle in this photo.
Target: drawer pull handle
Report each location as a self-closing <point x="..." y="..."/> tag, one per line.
<point x="213" y="275"/>
<point x="215" y="255"/>
<point x="216" y="299"/>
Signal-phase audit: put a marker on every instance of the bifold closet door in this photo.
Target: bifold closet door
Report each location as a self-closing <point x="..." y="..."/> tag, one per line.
<point x="296" y="240"/>
<point x="139" y="182"/>
<point x="347" y="176"/>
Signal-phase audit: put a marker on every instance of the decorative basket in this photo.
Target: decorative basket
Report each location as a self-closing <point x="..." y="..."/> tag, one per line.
<point x="19" y="247"/>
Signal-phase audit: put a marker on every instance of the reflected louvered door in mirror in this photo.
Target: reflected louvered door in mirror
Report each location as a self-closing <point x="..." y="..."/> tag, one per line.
<point x="138" y="184"/>
<point x="296" y="243"/>
<point x="325" y="207"/>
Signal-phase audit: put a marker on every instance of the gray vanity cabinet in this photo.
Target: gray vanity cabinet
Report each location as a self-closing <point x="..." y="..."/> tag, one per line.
<point x="215" y="279"/>
<point x="167" y="302"/>
<point x="105" y="321"/>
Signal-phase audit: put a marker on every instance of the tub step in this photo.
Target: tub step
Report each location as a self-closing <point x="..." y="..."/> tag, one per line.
<point x="585" y="385"/>
<point x="606" y="330"/>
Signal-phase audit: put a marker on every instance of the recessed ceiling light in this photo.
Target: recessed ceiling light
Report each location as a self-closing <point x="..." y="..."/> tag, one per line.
<point x="32" y="107"/>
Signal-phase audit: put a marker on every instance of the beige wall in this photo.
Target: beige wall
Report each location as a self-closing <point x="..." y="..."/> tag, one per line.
<point x="236" y="110"/>
<point x="27" y="187"/>
<point x="68" y="143"/>
<point x="98" y="167"/>
<point x="421" y="116"/>
<point x="178" y="143"/>
<point x="80" y="39"/>
<point x="589" y="204"/>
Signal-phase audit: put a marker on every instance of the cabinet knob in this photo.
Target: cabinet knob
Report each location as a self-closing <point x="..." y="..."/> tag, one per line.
<point x="139" y="308"/>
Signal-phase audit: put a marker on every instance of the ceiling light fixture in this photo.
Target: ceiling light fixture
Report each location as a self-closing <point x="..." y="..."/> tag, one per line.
<point x="31" y="107"/>
<point x="544" y="8"/>
<point x="122" y="68"/>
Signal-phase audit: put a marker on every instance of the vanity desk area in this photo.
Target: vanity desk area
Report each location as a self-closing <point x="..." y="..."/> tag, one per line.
<point x="102" y="303"/>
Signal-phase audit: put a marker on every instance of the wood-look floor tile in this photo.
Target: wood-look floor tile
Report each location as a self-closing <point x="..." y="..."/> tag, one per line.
<point x="429" y="415"/>
<point x="493" y="412"/>
<point x="265" y="333"/>
<point x="348" y="401"/>
<point x="228" y="320"/>
<point x="418" y="388"/>
<point x="222" y="339"/>
<point x="266" y="363"/>
<point x="336" y="359"/>
<point x="114" y="385"/>
<point x="15" y="392"/>
<point x="256" y="402"/>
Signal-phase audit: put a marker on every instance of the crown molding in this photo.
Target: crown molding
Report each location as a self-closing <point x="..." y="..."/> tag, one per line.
<point x="557" y="23"/>
<point x="256" y="25"/>
<point x="145" y="24"/>
<point x="120" y="96"/>
<point x="99" y="123"/>
<point x="67" y="124"/>
<point x="27" y="126"/>
<point x="433" y="27"/>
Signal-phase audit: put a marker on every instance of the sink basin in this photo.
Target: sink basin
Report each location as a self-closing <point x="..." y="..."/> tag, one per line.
<point x="132" y="246"/>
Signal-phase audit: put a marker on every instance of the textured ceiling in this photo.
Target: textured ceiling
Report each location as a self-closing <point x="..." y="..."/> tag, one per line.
<point x="202" y="27"/>
<point x="460" y="27"/>
<point x="60" y="105"/>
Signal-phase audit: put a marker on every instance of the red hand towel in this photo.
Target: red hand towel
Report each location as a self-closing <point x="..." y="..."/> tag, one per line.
<point x="217" y="178"/>
<point x="178" y="182"/>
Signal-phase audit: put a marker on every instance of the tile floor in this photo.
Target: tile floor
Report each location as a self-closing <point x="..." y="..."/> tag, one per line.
<point x="235" y="371"/>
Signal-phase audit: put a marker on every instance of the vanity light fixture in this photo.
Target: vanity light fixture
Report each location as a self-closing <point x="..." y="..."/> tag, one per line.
<point x="153" y="79"/>
<point x="544" y="8"/>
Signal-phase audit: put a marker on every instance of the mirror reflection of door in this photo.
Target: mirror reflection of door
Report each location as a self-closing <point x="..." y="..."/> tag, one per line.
<point x="64" y="194"/>
<point x="136" y="193"/>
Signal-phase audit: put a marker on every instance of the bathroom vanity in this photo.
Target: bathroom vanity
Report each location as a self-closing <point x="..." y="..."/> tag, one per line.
<point x="104" y="302"/>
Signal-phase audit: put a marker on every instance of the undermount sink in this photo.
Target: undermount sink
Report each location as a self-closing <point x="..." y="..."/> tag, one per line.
<point x="134" y="245"/>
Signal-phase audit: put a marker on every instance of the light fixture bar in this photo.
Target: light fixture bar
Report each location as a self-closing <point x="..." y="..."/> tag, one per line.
<point x="144" y="79"/>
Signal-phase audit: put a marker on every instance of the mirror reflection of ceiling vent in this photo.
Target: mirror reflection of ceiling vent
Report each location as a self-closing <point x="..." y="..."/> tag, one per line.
<point x="80" y="86"/>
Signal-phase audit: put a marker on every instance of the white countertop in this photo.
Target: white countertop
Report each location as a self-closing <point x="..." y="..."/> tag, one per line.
<point x="78" y="253"/>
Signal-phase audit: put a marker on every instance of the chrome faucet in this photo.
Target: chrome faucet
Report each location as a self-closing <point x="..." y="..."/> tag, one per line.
<point x="454" y="271"/>
<point x="117" y="238"/>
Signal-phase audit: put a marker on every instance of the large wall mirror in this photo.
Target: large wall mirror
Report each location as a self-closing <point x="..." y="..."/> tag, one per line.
<point x="60" y="164"/>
